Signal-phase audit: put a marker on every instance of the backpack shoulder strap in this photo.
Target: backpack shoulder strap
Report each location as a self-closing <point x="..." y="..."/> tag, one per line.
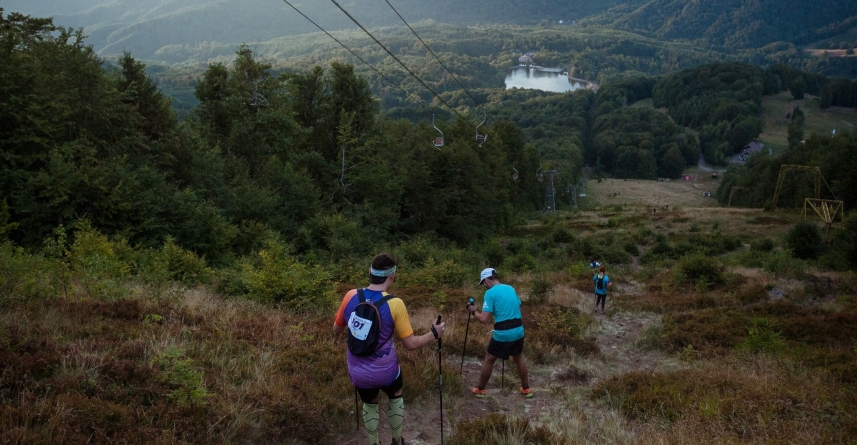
<point x="384" y="300"/>
<point x="361" y="297"/>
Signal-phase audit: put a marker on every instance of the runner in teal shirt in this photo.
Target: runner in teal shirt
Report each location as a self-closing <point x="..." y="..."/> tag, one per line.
<point x="502" y="301"/>
<point x="503" y="308"/>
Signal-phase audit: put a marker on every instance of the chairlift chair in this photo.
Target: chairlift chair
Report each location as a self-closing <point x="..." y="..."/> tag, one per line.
<point x="481" y="138"/>
<point x="438" y="141"/>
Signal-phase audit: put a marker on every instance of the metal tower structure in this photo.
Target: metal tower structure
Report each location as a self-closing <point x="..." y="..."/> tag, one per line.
<point x="579" y="189"/>
<point x="827" y="210"/>
<point x="550" y="191"/>
<point x="786" y="168"/>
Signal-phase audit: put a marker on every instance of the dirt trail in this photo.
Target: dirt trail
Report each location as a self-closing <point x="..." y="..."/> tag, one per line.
<point x="617" y="334"/>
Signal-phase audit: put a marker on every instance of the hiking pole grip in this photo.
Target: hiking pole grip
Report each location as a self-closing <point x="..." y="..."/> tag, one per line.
<point x="464" y="350"/>
<point x="439" y="340"/>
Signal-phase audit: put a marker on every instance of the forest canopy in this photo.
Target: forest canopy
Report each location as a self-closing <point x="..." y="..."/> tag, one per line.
<point x="304" y="157"/>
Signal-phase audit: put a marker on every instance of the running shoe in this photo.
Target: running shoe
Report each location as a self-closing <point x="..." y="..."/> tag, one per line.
<point x="480" y="393"/>
<point x="527" y="393"/>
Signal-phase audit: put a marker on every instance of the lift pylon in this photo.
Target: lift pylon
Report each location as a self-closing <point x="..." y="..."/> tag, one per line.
<point x="550" y="191"/>
<point x="732" y="193"/>
<point x="827" y="210"/>
<point x="786" y="168"/>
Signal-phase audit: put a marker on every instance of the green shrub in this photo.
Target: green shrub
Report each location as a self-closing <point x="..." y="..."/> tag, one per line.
<point x="577" y="270"/>
<point x="519" y="245"/>
<point x="96" y="266"/>
<point x="433" y="273"/>
<point x="642" y="236"/>
<point x="20" y="273"/>
<point x="846" y="240"/>
<point x="702" y="269"/>
<point x="631" y="248"/>
<point x="715" y="244"/>
<point x="804" y="240"/>
<point x="661" y="250"/>
<point x="540" y="288"/>
<point x="521" y="262"/>
<point x="562" y="235"/>
<point x="416" y="251"/>
<point x="561" y="323"/>
<point x="179" y="373"/>
<point x="776" y="261"/>
<point x="494" y="253"/>
<point x="337" y="236"/>
<point x="763" y="338"/>
<point x="584" y="246"/>
<point x="762" y="245"/>
<point x="280" y="278"/>
<point x="182" y="265"/>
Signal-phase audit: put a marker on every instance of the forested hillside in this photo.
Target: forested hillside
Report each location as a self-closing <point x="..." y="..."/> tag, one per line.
<point x="148" y="27"/>
<point x="736" y="24"/>
<point x="301" y="156"/>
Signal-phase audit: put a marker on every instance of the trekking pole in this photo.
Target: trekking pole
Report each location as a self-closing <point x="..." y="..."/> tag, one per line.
<point x="466" y="330"/>
<point x="502" y="375"/>
<point x="356" y="410"/>
<point x="440" y="379"/>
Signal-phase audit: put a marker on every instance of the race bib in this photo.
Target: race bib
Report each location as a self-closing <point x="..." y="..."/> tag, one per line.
<point x="359" y="326"/>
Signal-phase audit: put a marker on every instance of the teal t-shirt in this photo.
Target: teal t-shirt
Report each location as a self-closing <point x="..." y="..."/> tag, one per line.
<point x="502" y="301"/>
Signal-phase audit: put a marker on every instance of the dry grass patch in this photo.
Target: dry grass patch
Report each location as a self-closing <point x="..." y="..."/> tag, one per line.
<point x="497" y="429"/>
<point x="638" y="193"/>
<point x="759" y="400"/>
<point x="586" y="423"/>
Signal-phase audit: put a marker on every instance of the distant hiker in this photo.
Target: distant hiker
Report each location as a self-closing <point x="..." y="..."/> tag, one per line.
<point x="594" y="264"/>
<point x="501" y="306"/>
<point x="379" y="370"/>
<point x="654" y="210"/>
<point x="602" y="282"/>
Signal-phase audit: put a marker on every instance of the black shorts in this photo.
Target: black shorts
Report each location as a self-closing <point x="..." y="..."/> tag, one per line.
<point x="504" y="349"/>
<point x="368" y="395"/>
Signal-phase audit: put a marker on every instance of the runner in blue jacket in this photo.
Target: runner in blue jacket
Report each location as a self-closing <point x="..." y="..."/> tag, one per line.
<point x="602" y="282"/>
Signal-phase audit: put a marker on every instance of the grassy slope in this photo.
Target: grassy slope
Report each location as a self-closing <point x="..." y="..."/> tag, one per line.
<point x="817" y="120"/>
<point x="90" y="368"/>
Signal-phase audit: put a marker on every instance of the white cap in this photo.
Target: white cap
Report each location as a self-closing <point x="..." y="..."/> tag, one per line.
<point x="486" y="273"/>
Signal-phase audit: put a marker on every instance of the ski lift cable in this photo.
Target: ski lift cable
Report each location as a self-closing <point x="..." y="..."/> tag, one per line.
<point x="397" y="59"/>
<point x="435" y="56"/>
<point x="408" y="95"/>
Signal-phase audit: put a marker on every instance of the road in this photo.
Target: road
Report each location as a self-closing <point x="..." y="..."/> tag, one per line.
<point x="704" y="167"/>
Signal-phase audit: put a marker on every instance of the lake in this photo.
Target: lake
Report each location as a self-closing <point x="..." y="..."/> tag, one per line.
<point x="530" y="78"/>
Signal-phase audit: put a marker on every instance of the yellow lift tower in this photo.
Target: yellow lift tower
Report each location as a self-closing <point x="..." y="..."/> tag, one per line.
<point x="786" y="168"/>
<point x="826" y="209"/>
<point x="732" y="191"/>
